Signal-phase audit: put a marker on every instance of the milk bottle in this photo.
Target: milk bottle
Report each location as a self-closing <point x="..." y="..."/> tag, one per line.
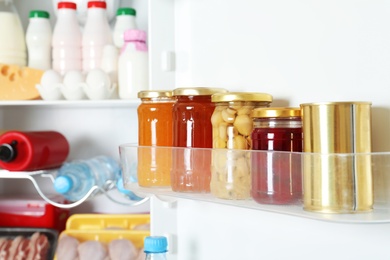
<point x="12" y="44"/>
<point x="133" y="65"/>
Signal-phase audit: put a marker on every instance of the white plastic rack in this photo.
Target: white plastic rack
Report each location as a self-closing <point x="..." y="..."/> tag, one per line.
<point x="33" y="176"/>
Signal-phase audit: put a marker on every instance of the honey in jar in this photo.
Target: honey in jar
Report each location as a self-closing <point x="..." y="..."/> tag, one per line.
<point x="232" y="128"/>
<point x="155" y="137"/>
<point x="192" y="133"/>
<point x="276" y="169"/>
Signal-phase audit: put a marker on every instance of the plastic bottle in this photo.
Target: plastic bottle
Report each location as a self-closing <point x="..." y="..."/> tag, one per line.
<point x="125" y="20"/>
<point x="38" y="39"/>
<point x="133" y="69"/>
<point x="66" y="42"/>
<point x="28" y="151"/>
<point x="155" y="248"/>
<point x="75" y="179"/>
<point x="12" y="44"/>
<point x="96" y="35"/>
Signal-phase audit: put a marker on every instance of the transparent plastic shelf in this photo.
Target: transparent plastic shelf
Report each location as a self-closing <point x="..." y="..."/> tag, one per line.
<point x="377" y="165"/>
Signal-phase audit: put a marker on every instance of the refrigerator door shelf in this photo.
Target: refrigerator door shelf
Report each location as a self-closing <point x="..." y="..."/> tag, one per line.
<point x="379" y="214"/>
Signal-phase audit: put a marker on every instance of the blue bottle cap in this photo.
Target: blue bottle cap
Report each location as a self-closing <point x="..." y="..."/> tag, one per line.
<point x="155" y="244"/>
<point x="63" y="184"/>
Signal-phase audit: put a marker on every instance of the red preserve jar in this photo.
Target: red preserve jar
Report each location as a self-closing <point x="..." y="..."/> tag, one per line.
<point x="192" y="129"/>
<point x="276" y="176"/>
<point x="29" y="151"/>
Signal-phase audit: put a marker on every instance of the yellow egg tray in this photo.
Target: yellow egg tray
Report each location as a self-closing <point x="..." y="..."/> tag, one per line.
<point x="106" y="221"/>
<point x="107" y="227"/>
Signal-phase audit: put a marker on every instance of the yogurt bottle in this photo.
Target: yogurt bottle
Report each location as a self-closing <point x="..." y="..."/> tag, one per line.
<point x="125" y="20"/>
<point x="97" y="34"/>
<point x="38" y="39"/>
<point x="66" y="42"/>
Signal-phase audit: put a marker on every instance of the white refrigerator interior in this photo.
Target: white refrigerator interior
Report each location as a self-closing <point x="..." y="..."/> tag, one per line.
<point x="298" y="51"/>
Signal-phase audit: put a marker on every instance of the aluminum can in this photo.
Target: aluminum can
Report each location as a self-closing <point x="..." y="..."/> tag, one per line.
<point x="337" y="162"/>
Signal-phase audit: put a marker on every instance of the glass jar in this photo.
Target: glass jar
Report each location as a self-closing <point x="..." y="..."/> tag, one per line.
<point x="232" y="128"/>
<point x="192" y="129"/>
<point x="155" y="129"/>
<point x="277" y="176"/>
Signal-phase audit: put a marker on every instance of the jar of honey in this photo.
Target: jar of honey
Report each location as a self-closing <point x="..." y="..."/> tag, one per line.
<point x="276" y="169"/>
<point x="232" y="128"/>
<point x="155" y="137"/>
<point x="192" y="130"/>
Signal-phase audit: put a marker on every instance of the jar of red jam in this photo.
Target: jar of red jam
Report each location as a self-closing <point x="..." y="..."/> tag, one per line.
<point x="155" y="129"/>
<point x="232" y="128"/>
<point x="191" y="130"/>
<point x="276" y="173"/>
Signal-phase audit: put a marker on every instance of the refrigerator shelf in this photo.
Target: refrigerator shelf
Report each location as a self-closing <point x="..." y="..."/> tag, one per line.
<point x="379" y="164"/>
<point x="33" y="176"/>
<point x="106" y="103"/>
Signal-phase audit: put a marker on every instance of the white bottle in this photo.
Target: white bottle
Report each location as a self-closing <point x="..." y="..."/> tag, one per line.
<point x="133" y="65"/>
<point x="96" y="35"/>
<point x="66" y="42"/>
<point x="125" y="20"/>
<point x="38" y="40"/>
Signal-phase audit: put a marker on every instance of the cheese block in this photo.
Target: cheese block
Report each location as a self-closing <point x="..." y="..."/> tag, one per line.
<point x="18" y="83"/>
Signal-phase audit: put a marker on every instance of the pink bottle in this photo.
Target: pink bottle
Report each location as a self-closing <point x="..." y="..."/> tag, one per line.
<point x="66" y="42"/>
<point x="97" y="34"/>
<point x="29" y="151"/>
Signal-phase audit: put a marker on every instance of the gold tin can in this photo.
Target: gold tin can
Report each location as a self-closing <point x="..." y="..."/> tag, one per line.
<point x="337" y="175"/>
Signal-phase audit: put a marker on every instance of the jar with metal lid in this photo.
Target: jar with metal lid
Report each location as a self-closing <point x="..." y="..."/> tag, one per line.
<point x="192" y="130"/>
<point x="155" y="129"/>
<point x="232" y="128"/>
<point x="276" y="174"/>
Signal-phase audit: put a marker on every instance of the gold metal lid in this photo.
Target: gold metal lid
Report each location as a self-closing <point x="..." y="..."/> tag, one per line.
<point x="337" y="103"/>
<point x="197" y="91"/>
<point x="241" y="96"/>
<point x="154" y="93"/>
<point x="276" y="112"/>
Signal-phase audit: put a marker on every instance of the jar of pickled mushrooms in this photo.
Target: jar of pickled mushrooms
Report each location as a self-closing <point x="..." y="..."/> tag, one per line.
<point x="232" y="128"/>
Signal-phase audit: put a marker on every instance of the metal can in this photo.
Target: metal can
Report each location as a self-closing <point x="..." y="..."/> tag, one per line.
<point x="191" y="130"/>
<point x="277" y="174"/>
<point x="232" y="128"/>
<point x="155" y="129"/>
<point x="337" y="162"/>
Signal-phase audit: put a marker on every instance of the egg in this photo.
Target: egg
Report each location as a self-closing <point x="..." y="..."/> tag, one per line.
<point x="98" y="84"/>
<point x="98" y="77"/>
<point x="73" y="78"/>
<point x="50" y="78"/>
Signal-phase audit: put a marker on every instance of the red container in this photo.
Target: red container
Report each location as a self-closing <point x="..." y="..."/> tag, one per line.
<point x="192" y="129"/>
<point x="33" y="212"/>
<point x="29" y="151"/>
